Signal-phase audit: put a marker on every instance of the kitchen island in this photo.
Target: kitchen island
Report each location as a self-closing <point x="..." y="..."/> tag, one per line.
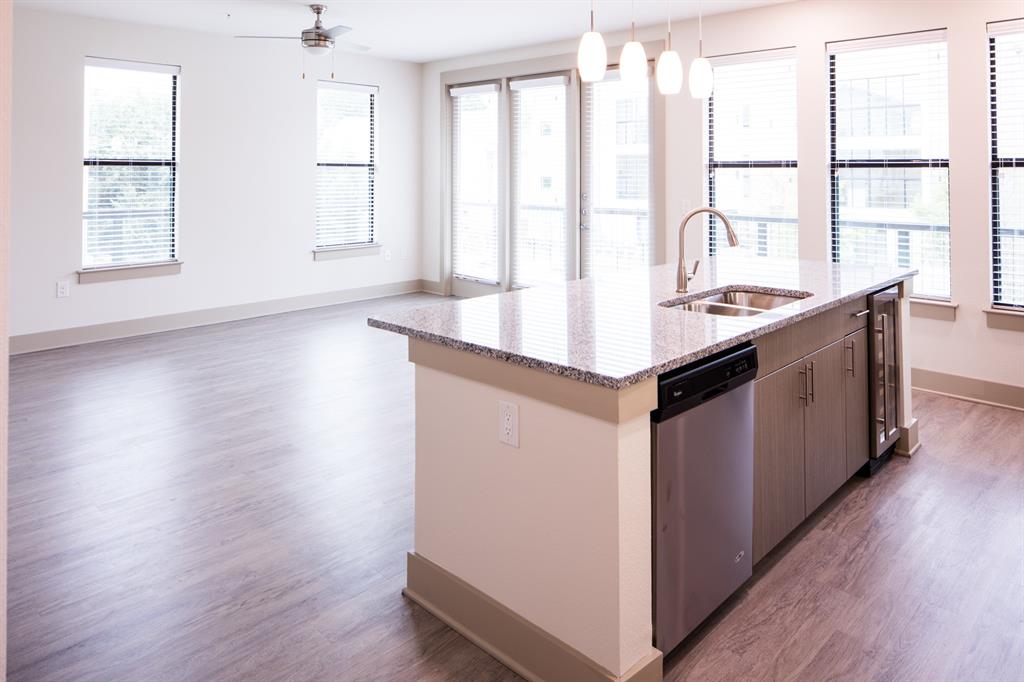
<point x="539" y="548"/>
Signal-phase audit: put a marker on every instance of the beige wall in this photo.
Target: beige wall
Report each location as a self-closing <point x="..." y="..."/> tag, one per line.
<point x="966" y="347"/>
<point x="558" y="530"/>
<point x="6" y="34"/>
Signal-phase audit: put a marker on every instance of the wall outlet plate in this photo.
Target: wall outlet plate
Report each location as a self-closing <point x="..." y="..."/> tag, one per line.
<point x="508" y="423"/>
<point x="63" y="288"/>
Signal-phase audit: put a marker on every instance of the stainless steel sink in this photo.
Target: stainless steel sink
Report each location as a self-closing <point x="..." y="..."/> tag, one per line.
<point x="703" y="306"/>
<point x="738" y="302"/>
<point x="750" y="299"/>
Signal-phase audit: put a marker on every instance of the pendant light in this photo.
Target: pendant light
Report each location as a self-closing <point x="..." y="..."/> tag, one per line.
<point x="669" y="71"/>
<point x="633" y="60"/>
<point x="702" y="78"/>
<point x="592" y="56"/>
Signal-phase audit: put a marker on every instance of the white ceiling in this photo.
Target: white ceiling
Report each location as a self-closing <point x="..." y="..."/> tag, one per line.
<point x="413" y="30"/>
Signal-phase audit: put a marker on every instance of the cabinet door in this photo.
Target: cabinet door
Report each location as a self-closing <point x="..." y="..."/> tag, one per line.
<point x="825" y="425"/>
<point x="858" y="429"/>
<point x="778" y="456"/>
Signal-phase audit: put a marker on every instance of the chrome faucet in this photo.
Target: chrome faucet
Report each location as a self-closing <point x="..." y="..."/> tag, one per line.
<point x="682" y="278"/>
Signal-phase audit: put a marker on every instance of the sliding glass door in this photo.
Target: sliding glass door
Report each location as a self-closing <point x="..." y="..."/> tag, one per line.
<point x="540" y="180"/>
<point x="477" y="180"/>
<point x="549" y="181"/>
<point x="615" y="164"/>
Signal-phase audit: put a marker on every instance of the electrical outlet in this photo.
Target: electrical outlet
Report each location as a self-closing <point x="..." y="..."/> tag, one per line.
<point x="508" y="423"/>
<point x="63" y="288"/>
<point x="387" y="254"/>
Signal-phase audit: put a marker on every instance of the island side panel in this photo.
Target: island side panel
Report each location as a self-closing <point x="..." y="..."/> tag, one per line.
<point x="909" y="440"/>
<point x="556" y="530"/>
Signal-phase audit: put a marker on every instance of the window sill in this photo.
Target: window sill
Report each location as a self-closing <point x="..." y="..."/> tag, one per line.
<point x="933" y="309"/>
<point x="336" y="252"/>
<point x="1005" y="318"/>
<point x="119" y="272"/>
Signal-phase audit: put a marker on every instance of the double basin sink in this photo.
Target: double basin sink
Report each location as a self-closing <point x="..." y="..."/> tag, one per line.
<point x="738" y="301"/>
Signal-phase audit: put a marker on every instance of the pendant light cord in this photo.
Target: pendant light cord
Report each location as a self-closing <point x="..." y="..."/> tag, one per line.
<point x="632" y="12"/>
<point x="591" y="16"/>
<point x="668" y="9"/>
<point x="700" y="29"/>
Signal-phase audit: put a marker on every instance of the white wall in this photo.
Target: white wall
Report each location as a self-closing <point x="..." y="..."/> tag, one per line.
<point x="966" y="347"/>
<point x="246" y="173"/>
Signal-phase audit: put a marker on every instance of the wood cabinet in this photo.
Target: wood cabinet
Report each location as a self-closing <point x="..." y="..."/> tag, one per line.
<point x="858" y="429"/>
<point x="811" y="428"/>
<point x="778" y="456"/>
<point x="824" y="425"/>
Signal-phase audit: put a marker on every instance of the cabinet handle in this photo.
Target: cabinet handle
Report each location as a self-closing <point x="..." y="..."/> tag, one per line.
<point x="852" y="347"/>
<point x="861" y="313"/>
<point x="803" y="396"/>
<point x="810" y="392"/>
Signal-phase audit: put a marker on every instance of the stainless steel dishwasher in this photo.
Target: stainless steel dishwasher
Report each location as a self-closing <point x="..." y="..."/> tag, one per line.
<point x="703" y="489"/>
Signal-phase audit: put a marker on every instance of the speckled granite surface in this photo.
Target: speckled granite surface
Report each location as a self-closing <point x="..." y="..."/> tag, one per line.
<point x="613" y="331"/>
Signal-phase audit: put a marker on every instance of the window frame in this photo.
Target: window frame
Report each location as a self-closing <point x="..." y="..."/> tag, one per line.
<point x="711" y="164"/>
<point x="373" y="92"/>
<point x="106" y="272"/>
<point x="835" y="165"/>
<point x="997" y="163"/>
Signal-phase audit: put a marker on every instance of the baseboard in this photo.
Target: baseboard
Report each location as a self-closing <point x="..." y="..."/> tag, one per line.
<point x="966" y="388"/>
<point x="525" y="648"/>
<point x="59" y="338"/>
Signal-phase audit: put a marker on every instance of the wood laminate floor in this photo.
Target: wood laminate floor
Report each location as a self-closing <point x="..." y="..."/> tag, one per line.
<point x="234" y="502"/>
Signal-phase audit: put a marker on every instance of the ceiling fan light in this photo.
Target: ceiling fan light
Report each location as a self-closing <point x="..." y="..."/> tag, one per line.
<point x="633" y="62"/>
<point x="317" y="50"/>
<point x="592" y="57"/>
<point x="702" y="78"/>
<point x="669" y="73"/>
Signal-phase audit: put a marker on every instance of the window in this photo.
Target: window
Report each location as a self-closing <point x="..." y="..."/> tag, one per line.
<point x="751" y="137"/>
<point x="616" y="162"/>
<point x="345" y="166"/>
<point x="539" y="180"/>
<point x="130" y="169"/>
<point x="476" y="196"/>
<point x="1006" y="53"/>
<point x="889" y="155"/>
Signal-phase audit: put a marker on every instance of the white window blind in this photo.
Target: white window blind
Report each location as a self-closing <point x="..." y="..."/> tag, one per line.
<point x="476" y="196"/>
<point x="130" y="163"/>
<point x="615" y="200"/>
<point x="539" y="228"/>
<point x="345" y="164"/>
<point x="751" y="145"/>
<point x="890" y="155"/>
<point x="1006" y="55"/>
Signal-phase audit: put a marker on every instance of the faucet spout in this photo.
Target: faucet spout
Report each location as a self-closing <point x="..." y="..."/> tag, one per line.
<point x="682" y="277"/>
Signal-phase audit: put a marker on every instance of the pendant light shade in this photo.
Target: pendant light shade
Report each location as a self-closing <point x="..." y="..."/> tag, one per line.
<point x="669" y="73"/>
<point x="702" y="78"/>
<point x="592" y="57"/>
<point x="633" y="62"/>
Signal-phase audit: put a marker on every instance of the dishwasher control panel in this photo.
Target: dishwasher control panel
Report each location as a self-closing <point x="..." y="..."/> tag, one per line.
<point x="693" y="384"/>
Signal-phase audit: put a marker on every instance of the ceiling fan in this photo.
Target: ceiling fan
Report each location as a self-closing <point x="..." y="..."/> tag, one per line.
<point x="318" y="40"/>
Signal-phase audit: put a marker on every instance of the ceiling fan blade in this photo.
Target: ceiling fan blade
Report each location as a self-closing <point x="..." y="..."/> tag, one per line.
<point x="272" y="37"/>
<point x="336" y="31"/>
<point x="351" y="47"/>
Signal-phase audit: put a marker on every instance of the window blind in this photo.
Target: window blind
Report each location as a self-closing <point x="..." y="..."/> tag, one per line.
<point x="130" y="163"/>
<point x="539" y="228"/>
<point x="1006" y="65"/>
<point x="476" y="196"/>
<point x="615" y="199"/>
<point x="889" y="152"/>
<point x="345" y="164"/>
<point x="751" y="144"/>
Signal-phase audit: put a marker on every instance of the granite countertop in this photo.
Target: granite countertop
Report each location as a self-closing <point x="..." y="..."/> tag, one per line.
<point x="613" y="330"/>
